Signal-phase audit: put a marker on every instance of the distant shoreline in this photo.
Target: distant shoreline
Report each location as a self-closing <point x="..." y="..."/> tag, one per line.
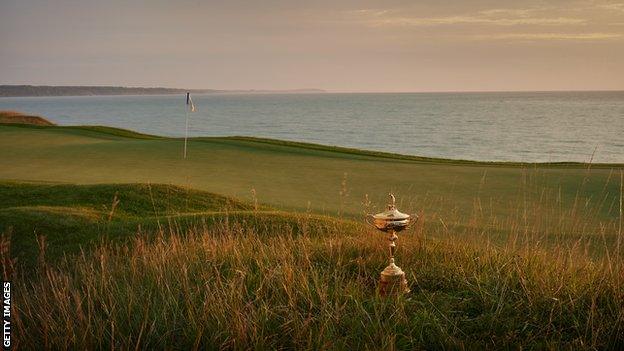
<point x="8" y="90"/>
<point x="51" y="90"/>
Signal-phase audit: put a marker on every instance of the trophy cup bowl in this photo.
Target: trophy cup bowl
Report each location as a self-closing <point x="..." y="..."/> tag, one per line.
<point x="391" y="221"/>
<point x="386" y="224"/>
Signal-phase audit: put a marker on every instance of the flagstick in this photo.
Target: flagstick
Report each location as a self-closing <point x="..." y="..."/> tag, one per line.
<point x="186" y="133"/>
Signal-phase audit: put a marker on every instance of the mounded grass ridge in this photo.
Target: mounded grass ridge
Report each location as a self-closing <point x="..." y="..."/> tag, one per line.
<point x="14" y="117"/>
<point x="68" y="218"/>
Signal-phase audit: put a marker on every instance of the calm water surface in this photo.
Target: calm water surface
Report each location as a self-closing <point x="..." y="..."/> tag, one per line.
<point x="562" y="126"/>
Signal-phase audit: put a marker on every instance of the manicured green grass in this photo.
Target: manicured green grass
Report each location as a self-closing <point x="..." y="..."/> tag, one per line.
<point x="301" y="177"/>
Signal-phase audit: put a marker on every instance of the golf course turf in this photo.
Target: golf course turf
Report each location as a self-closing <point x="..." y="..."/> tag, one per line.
<point x="114" y="241"/>
<point x="295" y="176"/>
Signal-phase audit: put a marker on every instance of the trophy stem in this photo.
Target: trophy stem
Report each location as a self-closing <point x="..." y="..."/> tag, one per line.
<point x="392" y="238"/>
<point x="393" y="282"/>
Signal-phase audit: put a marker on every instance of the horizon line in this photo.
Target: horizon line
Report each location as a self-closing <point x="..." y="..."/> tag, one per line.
<point x="322" y="90"/>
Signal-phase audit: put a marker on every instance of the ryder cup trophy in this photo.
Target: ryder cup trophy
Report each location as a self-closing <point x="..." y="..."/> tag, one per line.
<point x="391" y="221"/>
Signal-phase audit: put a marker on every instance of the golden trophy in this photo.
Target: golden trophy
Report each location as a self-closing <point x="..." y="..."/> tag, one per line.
<point x="391" y="221"/>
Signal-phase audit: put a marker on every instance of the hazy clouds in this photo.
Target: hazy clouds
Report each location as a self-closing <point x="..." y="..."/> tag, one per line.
<point x="336" y="45"/>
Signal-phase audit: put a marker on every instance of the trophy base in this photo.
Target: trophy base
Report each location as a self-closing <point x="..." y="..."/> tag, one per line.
<point x="393" y="282"/>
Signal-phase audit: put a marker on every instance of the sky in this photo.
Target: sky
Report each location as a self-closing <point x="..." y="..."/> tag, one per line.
<point x="368" y="46"/>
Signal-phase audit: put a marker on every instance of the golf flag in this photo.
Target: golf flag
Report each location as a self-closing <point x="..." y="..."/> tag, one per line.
<point x="190" y="107"/>
<point x="189" y="102"/>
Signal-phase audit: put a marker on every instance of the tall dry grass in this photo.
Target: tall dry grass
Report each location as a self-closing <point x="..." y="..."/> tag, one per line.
<point x="231" y="286"/>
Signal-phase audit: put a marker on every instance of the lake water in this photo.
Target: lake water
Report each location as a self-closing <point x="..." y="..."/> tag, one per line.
<point x="539" y="126"/>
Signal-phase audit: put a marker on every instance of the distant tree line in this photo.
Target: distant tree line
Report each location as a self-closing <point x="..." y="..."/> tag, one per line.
<point x="48" y="90"/>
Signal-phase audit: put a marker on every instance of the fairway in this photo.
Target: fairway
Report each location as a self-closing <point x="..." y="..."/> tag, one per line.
<point x="304" y="177"/>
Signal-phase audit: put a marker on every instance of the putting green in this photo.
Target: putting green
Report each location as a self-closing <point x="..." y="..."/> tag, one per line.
<point x="305" y="177"/>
